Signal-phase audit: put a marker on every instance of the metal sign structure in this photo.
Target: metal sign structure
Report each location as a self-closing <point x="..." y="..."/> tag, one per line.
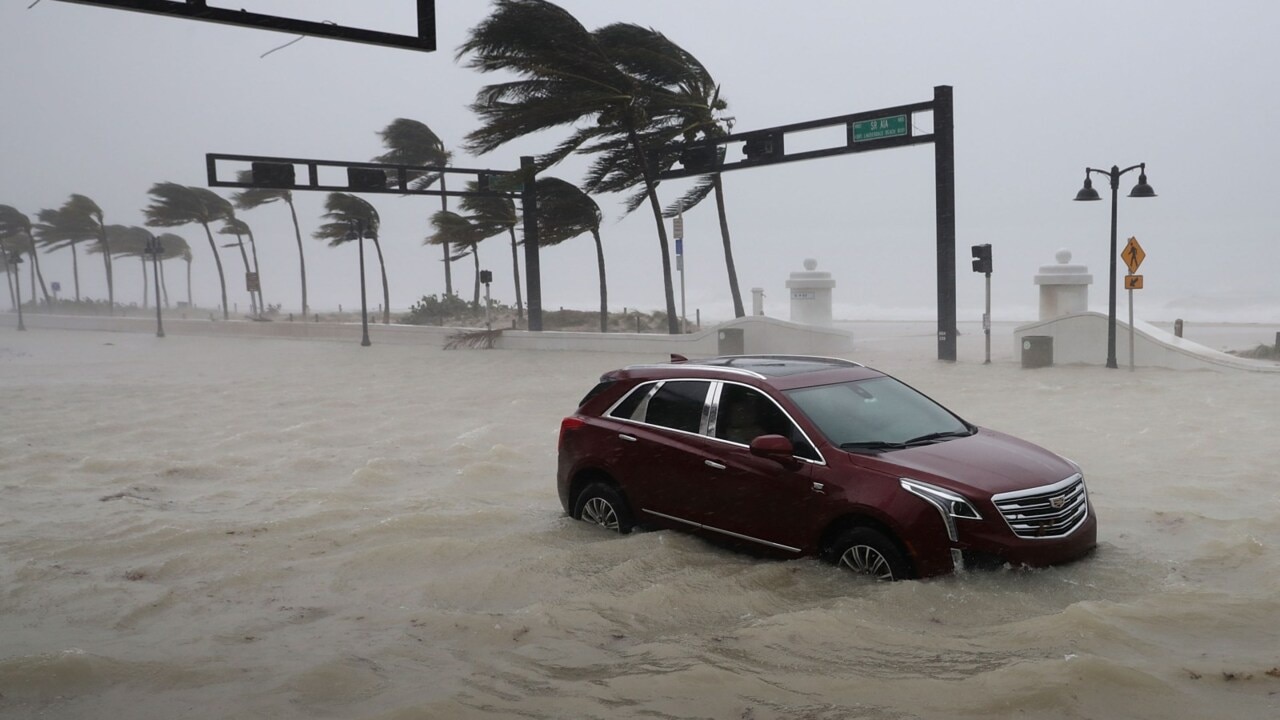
<point x="1133" y="255"/>
<point x="280" y="173"/>
<point x="423" y="41"/>
<point x="880" y="129"/>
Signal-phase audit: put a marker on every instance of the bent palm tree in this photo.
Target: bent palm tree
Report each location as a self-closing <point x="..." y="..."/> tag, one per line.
<point x="492" y="216"/>
<point x="565" y="212"/>
<point x="173" y="205"/>
<point x="129" y="241"/>
<point x="239" y="228"/>
<point x="459" y="233"/>
<point x="410" y="142"/>
<point x="566" y="76"/>
<point x="343" y="211"/>
<point x="255" y="197"/>
<point x="15" y="223"/>
<point x="696" y="110"/>
<point x="173" y="246"/>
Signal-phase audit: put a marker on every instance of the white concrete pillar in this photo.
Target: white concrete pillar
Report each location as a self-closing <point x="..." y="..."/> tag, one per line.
<point x="757" y="301"/>
<point x="1064" y="288"/>
<point x="811" y="295"/>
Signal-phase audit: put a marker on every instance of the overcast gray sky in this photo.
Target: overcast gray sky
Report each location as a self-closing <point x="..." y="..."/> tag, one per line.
<point x="105" y="103"/>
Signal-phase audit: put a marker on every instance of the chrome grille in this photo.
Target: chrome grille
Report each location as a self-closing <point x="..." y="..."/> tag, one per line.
<point x="1051" y="511"/>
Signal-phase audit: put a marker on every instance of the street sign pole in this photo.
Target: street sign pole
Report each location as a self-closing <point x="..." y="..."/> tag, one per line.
<point x="986" y="320"/>
<point x="679" y="236"/>
<point x="1131" y="328"/>
<point x="1133" y="255"/>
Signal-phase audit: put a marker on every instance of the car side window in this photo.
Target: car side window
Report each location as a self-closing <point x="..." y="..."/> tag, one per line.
<point x="743" y="414"/>
<point x="678" y="404"/>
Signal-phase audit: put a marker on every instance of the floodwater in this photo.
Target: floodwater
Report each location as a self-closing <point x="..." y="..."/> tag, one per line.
<point x="253" y="528"/>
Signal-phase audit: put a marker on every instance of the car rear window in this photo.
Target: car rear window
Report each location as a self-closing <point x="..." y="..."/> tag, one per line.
<point x="677" y="404"/>
<point x="599" y="388"/>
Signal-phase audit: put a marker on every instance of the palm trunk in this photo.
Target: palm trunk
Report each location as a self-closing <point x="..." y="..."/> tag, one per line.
<point x="448" y="272"/>
<point x="673" y="321"/>
<point x="253" y="248"/>
<point x="189" y="303"/>
<point x="222" y="280"/>
<point x="146" y="288"/>
<point x="604" y="288"/>
<point x="244" y="257"/>
<point x="738" y="310"/>
<point x="32" y="271"/>
<point x="302" y="261"/>
<point x="13" y="298"/>
<point x="164" y="286"/>
<point x="75" y="269"/>
<point x="386" y="293"/>
<point x="475" y="255"/>
<point x="35" y="266"/>
<point x="515" y="269"/>
<point x="106" y="261"/>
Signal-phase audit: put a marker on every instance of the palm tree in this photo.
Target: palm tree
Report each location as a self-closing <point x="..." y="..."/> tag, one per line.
<point x="565" y="212"/>
<point x="15" y="223"/>
<point x="456" y="231"/>
<point x="256" y="197"/>
<point x="173" y="205"/>
<point x="344" y="210"/>
<point x="239" y="228"/>
<point x="410" y="142"/>
<point x="696" y="110"/>
<point x="568" y="76"/>
<point x="11" y="244"/>
<point x="491" y="216"/>
<point x="129" y="241"/>
<point x="173" y="246"/>
<point x="78" y="219"/>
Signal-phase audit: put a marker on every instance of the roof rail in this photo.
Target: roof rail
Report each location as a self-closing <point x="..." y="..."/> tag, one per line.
<point x="805" y="358"/>
<point x="693" y="365"/>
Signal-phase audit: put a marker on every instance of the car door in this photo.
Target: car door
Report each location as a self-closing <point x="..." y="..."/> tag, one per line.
<point x="752" y="498"/>
<point x="661" y="449"/>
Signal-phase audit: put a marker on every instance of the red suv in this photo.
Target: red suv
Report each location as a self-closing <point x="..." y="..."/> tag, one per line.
<point x="796" y="455"/>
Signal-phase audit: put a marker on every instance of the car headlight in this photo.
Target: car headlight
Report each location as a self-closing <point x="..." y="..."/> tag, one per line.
<point x="950" y="505"/>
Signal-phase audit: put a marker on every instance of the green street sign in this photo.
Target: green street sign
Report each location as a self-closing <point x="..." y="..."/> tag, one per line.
<point x="880" y="128"/>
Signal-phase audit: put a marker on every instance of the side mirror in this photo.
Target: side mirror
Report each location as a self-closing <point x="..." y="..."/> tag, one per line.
<point x="774" y="447"/>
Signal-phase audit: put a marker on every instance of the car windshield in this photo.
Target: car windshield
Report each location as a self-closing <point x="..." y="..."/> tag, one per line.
<point x="877" y="414"/>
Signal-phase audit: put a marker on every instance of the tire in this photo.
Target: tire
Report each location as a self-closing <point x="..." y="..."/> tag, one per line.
<point x="868" y="552"/>
<point x="601" y="504"/>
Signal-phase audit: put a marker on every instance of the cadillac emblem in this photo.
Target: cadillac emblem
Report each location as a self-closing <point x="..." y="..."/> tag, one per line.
<point x="1057" y="503"/>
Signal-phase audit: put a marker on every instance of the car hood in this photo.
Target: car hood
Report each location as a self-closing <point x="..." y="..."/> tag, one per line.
<point x="988" y="461"/>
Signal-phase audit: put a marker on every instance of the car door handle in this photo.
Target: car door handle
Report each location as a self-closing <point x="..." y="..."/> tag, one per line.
<point x="713" y="464"/>
<point x="628" y="438"/>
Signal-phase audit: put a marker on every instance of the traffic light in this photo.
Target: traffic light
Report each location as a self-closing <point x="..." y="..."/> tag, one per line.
<point x="272" y="175"/>
<point x="982" y="258"/>
<point x="698" y="157"/>
<point x="766" y="146"/>
<point x="359" y="178"/>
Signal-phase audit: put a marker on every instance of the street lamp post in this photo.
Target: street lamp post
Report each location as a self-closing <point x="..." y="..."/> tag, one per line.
<point x="155" y="249"/>
<point x="15" y="258"/>
<point x="357" y="233"/>
<point x="1087" y="193"/>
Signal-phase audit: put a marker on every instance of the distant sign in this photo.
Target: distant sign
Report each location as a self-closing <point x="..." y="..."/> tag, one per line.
<point x="57" y="286"/>
<point x="885" y="127"/>
<point x="251" y="282"/>
<point x="1133" y="255"/>
<point x="1132" y="282"/>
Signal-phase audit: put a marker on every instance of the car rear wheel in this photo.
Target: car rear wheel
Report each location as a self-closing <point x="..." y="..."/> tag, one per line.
<point x="601" y="504"/>
<point x="868" y="552"/>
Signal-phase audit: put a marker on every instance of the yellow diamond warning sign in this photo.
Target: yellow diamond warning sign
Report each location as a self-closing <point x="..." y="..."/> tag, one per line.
<point x="1133" y="256"/>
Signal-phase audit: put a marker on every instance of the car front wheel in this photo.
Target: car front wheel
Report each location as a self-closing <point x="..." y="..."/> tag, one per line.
<point x="601" y="504"/>
<point x="868" y="552"/>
